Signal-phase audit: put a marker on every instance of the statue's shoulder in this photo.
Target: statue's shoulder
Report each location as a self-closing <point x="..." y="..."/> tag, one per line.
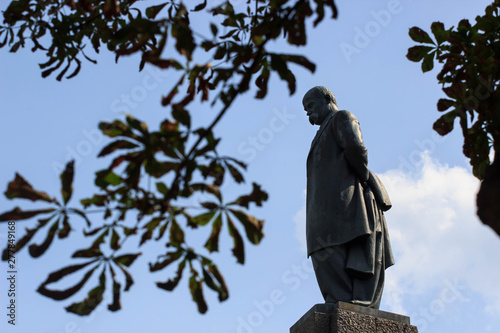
<point x="344" y="116"/>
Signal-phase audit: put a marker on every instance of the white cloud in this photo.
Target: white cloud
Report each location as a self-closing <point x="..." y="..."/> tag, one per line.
<point x="436" y="235"/>
<point x="437" y="239"/>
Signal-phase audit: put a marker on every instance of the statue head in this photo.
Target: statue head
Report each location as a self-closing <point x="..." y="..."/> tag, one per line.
<point x="319" y="102"/>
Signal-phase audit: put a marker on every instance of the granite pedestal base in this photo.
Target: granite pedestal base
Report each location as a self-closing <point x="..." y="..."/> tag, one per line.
<point x="350" y="318"/>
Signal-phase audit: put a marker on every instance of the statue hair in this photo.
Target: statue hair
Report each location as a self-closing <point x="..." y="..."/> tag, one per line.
<point x="323" y="93"/>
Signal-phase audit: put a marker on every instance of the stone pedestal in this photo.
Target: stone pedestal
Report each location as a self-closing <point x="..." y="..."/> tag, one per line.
<point x="350" y="318"/>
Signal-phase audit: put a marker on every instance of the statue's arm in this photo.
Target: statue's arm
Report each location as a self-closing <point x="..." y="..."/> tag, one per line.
<point x="349" y="137"/>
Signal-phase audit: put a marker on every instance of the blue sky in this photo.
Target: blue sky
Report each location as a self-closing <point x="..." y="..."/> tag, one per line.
<point x="446" y="267"/>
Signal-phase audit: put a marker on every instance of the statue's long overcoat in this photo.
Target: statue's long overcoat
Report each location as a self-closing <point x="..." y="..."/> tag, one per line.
<point x="336" y="210"/>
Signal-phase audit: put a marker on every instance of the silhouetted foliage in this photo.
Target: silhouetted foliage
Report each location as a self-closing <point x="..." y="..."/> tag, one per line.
<point x="183" y="162"/>
<point x="470" y="77"/>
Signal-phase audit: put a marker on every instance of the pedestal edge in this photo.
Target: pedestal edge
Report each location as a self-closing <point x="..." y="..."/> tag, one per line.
<point x="329" y="308"/>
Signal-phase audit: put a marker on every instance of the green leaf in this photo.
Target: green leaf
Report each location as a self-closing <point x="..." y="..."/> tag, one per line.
<point x="280" y="66"/>
<point x="78" y="67"/>
<point x="152" y="11"/>
<point x="137" y="124"/>
<point x="321" y="12"/>
<point x="185" y="43"/>
<point x="128" y="278"/>
<point x="240" y="163"/>
<point x="224" y="293"/>
<point x="61" y="74"/>
<point x="67" y="181"/>
<point x="126" y="259"/>
<point x="220" y="289"/>
<point x="417" y="53"/>
<point x="182" y="116"/>
<point x="262" y="82"/>
<point x="203" y="219"/>
<point x="210" y="283"/>
<point x="2" y="44"/>
<point x="168" y="127"/>
<point x="235" y="173"/>
<point x="14" y="11"/>
<point x="439" y="33"/>
<point x="129" y="231"/>
<point x="27" y="237"/>
<point x="158" y="169"/>
<point x="258" y="196"/>
<point x="212" y="244"/>
<point x="162" y="188"/>
<point x="428" y="63"/>
<point x="115" y="240"/>
<point x="57" y="275"/>
<point x="212" y="189"/>
<point x="201" y="6"/>
<point x="93" y="231"/>
<point x="162" y="229"/>
<point x="49" y="71"/>
<point x="238" y="247"/>
<point x="214" y="29"/>
<point x="166" y="101"/>
<point x="196" y="289"/>
<point x="146" y="236"/>
<point x="214" y="170"/>
<point x="300" y="60"/>
<point x="479" y="169"/>
<point x="172" y="283"/>
<point x="97" y="200"/>
<point x="253" y="227"/>
<point x="38" y="250"/>
<point x="444" y="124"/>
<point x="210" y="205"/>
<point x="115" y="306"/>
<point x="176" y="233"/>
<point x="18" y="214"/>
<point x="229" y="34"/>
<point x="420" y="36"/>
<point x="220" y="52"/>
<point x="150" y="227"/>
<point x="93" y="299"/>
<point x="170" y="258"/>
<point x="87" y="253"/>
<point x="115" y="145"/>
<point x="116" y="128"/>
<point x="99" y="240"/>
<point x="81" y="213"/>
<point x="134" y="172"/>
<point x="64" y="232"/>
<point x="107" y="177"/>
<point x="20" y="188"/>
<point x="444" y="104"/>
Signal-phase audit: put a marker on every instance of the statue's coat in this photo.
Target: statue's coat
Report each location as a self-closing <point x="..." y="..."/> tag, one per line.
<point x="339" y="209"/>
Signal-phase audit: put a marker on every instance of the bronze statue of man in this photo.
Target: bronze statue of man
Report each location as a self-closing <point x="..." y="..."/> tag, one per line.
<point x="346" y="231"/>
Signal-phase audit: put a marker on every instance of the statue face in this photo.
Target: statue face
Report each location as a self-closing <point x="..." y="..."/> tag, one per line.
<point x="315" y="108"/>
